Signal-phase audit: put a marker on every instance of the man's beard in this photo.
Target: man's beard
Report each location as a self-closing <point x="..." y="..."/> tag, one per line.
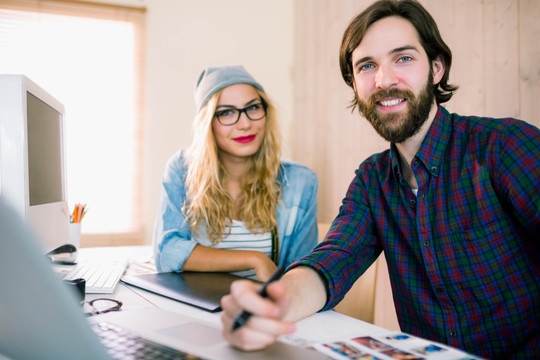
<point x="397" y="127"/>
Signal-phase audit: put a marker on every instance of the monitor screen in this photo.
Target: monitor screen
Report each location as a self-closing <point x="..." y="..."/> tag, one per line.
<point x="32" y="159"/>
<point x="44" y="152"/>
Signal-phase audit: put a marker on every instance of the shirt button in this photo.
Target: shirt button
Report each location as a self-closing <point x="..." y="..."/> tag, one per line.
<point x="413" y="202"/>
<point x="453" y="333"/>
<point x="415" y="162"/>
<point x="426" y="243"/>
<point x="434" y="168"/>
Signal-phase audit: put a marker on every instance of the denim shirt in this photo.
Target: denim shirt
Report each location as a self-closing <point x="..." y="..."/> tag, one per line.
<point x="296" y="215"/>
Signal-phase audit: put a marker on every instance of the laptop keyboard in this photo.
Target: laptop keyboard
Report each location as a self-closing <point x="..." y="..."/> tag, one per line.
<point x="122" y="344"/>
<point x="101" y="276"/>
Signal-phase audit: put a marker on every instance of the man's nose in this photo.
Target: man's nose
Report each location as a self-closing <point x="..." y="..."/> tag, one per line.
<point x="385" y="77"/>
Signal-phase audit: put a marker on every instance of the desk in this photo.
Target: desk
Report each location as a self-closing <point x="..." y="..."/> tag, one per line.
<point x="318" y="330"/>
<point x="326" y="326"/>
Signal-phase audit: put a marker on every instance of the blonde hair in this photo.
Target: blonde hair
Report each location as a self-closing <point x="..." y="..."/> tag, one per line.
<point x="207" y="201"/>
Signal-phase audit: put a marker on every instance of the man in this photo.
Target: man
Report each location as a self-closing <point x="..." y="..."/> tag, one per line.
<point x="454" y="204"/>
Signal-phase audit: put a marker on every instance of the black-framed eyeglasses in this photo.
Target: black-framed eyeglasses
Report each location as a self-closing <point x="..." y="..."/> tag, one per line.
<point x="230" y="115"/>
<point x="101" y="306"/>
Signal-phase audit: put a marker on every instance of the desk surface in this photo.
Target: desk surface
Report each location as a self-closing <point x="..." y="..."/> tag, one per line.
<point x="319" y="330"/>
<point x="313" y="328"/>
<point x="326" y="326"/>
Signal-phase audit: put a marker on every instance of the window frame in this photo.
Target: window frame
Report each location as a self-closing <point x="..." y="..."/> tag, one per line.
<point x="136" y="16"/>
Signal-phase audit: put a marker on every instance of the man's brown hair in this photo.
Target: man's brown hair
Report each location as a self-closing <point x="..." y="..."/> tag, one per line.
<point x="425" y="26"/>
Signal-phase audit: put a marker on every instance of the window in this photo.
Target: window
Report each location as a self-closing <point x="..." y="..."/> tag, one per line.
<point x="89" y="57"/>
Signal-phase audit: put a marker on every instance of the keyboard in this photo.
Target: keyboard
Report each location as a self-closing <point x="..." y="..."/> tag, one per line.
<point x="101" y="276"/>
<point x="121" y="344"/>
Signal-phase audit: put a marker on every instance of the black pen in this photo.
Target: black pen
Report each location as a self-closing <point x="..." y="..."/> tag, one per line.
<point x="245" y="315"/>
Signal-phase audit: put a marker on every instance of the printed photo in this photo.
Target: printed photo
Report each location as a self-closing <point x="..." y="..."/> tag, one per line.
<point x="398" y="337"/>
<point x="371" y="343"/>
<point x="399" y="354"/>
<point x="430" y="349"/>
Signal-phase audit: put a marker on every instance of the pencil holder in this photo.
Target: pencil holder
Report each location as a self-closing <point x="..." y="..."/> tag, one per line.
<point x="75" y="234"/>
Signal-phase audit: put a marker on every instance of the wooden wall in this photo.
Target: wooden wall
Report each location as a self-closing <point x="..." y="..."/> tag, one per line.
<point x="496" y="63"/>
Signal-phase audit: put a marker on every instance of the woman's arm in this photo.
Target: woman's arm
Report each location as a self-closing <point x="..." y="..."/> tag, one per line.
<point x="172" y="235"/>
<point x="297" y="213"/>
<point x="203" y="258"/>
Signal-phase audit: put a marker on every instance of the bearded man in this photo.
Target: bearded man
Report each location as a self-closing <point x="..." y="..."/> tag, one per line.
<point x="454" y="204"/>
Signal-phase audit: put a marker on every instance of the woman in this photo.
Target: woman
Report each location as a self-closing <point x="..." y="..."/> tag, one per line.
<point x="229" y="203"/>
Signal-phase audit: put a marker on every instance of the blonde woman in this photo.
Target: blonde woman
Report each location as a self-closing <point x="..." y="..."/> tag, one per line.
<point x="229" y="203"/>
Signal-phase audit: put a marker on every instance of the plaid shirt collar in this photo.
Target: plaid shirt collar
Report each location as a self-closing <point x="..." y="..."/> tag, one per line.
<point x="433" y="148"/>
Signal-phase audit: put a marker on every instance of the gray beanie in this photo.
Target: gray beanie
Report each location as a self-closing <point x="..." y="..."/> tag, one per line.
<point x="213" y="79"/>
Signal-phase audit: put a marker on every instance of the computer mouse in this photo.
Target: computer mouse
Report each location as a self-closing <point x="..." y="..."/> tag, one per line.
<point x="65" y="254"/>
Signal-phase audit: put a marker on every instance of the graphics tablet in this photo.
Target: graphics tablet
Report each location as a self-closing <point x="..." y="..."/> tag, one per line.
<point x="203" y="290"/>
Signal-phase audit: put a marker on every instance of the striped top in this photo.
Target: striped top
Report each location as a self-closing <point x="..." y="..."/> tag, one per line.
<point x="240" y="238"/>
<point x="296" y="215"/>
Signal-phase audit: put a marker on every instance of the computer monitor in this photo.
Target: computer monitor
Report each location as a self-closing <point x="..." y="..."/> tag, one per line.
<point x="32" y="158"/>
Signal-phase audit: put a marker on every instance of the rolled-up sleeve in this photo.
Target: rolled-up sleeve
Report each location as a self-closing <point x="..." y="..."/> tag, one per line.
<point x="172" y="239"/>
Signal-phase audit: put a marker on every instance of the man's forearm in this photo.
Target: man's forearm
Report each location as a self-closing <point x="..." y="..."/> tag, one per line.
<point x="307" y="292"/>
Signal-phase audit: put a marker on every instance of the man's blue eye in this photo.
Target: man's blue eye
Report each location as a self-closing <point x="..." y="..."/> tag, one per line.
<point x="366" y="67"/>
<point x="405" y="59"/>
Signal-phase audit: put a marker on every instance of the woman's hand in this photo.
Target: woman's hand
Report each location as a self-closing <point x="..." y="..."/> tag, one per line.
<point x="263" y="266"/>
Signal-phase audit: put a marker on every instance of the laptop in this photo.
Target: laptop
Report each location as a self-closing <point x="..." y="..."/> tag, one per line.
<point x="40" y="317"/>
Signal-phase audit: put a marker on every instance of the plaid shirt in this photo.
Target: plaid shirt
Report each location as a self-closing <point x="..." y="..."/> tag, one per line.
<point x="463" y="254"/>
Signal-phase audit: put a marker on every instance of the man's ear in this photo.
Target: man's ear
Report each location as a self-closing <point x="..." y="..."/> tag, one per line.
<point x="439" y="68"/>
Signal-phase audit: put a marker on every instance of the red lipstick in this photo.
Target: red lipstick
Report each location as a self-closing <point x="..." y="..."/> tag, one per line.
<point x="245" y="139"/>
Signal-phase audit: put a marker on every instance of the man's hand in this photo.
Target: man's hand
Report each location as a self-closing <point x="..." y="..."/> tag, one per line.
<point x="265" y="325"/>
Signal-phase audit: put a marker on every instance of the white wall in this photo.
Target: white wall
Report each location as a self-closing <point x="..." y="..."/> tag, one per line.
<point x="183" y="37"/>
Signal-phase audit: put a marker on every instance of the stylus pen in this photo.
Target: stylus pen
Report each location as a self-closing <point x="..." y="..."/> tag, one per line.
<point x="242" y="319"/>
